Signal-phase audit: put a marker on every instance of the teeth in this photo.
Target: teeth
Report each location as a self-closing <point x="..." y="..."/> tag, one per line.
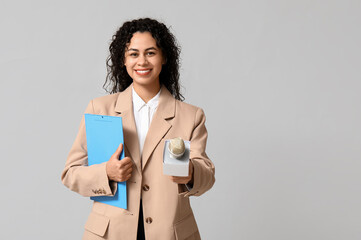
<point x="143" y="71"/>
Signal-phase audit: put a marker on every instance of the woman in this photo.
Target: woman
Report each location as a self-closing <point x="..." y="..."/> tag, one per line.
<point x="144" y="80"/>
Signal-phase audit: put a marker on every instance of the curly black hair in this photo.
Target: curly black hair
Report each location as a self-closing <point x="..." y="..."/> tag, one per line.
<point x="118" y="80"/>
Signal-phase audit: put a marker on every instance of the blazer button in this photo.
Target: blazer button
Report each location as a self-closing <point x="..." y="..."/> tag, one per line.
<point x="149" y="220"/>
<point x="145" y="187"/>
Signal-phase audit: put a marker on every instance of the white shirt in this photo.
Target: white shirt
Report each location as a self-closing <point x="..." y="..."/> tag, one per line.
<point x="143" y="115"/>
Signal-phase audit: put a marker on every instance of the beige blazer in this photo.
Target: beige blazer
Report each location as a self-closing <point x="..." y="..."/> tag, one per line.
<point x="166" y="208"/>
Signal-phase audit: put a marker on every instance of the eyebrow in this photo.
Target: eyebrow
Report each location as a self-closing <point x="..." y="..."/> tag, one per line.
<point x="134" y="49"/>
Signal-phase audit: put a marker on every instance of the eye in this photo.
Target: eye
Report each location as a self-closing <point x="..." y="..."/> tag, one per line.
<point x="133" y="54"/>
<point x="150" y="53"/>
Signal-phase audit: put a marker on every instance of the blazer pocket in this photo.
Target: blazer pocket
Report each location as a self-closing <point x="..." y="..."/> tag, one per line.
<point x="186" y="227"/>
<point x="97" y="224"/>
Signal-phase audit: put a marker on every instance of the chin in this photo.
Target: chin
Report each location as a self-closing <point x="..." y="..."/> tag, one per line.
<point x="144" y="82"/>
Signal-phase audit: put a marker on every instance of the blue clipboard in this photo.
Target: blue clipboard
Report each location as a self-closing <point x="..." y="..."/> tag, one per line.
<point x="103" y="135"/>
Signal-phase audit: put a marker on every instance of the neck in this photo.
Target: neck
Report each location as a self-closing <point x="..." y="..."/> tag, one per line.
<point x="146" y="92"/>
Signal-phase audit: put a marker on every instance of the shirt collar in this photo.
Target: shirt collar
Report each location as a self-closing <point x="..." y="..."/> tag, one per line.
<point x="138" y="102"/>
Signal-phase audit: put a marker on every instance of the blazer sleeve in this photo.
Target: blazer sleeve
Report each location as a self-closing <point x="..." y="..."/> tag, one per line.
<point x="204" y="170"/>
<point x="81" y="178"/>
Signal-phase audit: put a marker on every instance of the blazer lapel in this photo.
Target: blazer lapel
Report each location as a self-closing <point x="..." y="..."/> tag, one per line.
<point x="159" y="125"/>
<point x="124" y="106"/>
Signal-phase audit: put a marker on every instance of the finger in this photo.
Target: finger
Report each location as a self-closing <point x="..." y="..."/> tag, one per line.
<point x="126" y="160"/>
<point x="125" y="165"/>
<point x="182" y="180"/>
<point x="125" y="171"/>
<point x="128" y="176"/>
<point x="174" y="179"/>
<point x="118" y="151"/>
<point x="179" y="178"/>
<point x="171" y="177"/>
<point x="129" y="170"/>
<point x="124" y="178"/>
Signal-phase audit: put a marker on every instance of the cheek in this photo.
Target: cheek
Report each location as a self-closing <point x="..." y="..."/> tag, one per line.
<point x="159" y="65"/>
<point x="129" y="69"/>
<point x="127" y="62"/>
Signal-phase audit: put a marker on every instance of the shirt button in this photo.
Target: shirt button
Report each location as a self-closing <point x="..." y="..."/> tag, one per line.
<point x="145" y="187"/>
<point x="149" y="220"/>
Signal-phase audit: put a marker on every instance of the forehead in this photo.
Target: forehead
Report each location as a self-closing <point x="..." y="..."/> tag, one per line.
<point x="142" y="40"/>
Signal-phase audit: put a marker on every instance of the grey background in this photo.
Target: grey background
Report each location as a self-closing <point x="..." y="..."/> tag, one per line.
<point x="279" y="82"/>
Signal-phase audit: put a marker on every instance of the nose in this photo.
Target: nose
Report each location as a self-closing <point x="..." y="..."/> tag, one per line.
<point x="142" y="60"/>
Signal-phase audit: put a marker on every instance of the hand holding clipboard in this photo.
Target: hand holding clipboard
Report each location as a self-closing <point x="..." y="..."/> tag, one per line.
<point x="119" y="171"/>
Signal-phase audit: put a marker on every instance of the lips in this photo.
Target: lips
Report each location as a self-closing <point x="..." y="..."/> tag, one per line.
<point x="143" y="72"/>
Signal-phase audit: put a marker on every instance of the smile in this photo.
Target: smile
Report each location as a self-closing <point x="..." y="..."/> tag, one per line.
<point x="143" y="72"/>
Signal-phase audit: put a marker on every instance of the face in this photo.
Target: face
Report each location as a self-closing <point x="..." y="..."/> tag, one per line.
<point x="143" y="59"/>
